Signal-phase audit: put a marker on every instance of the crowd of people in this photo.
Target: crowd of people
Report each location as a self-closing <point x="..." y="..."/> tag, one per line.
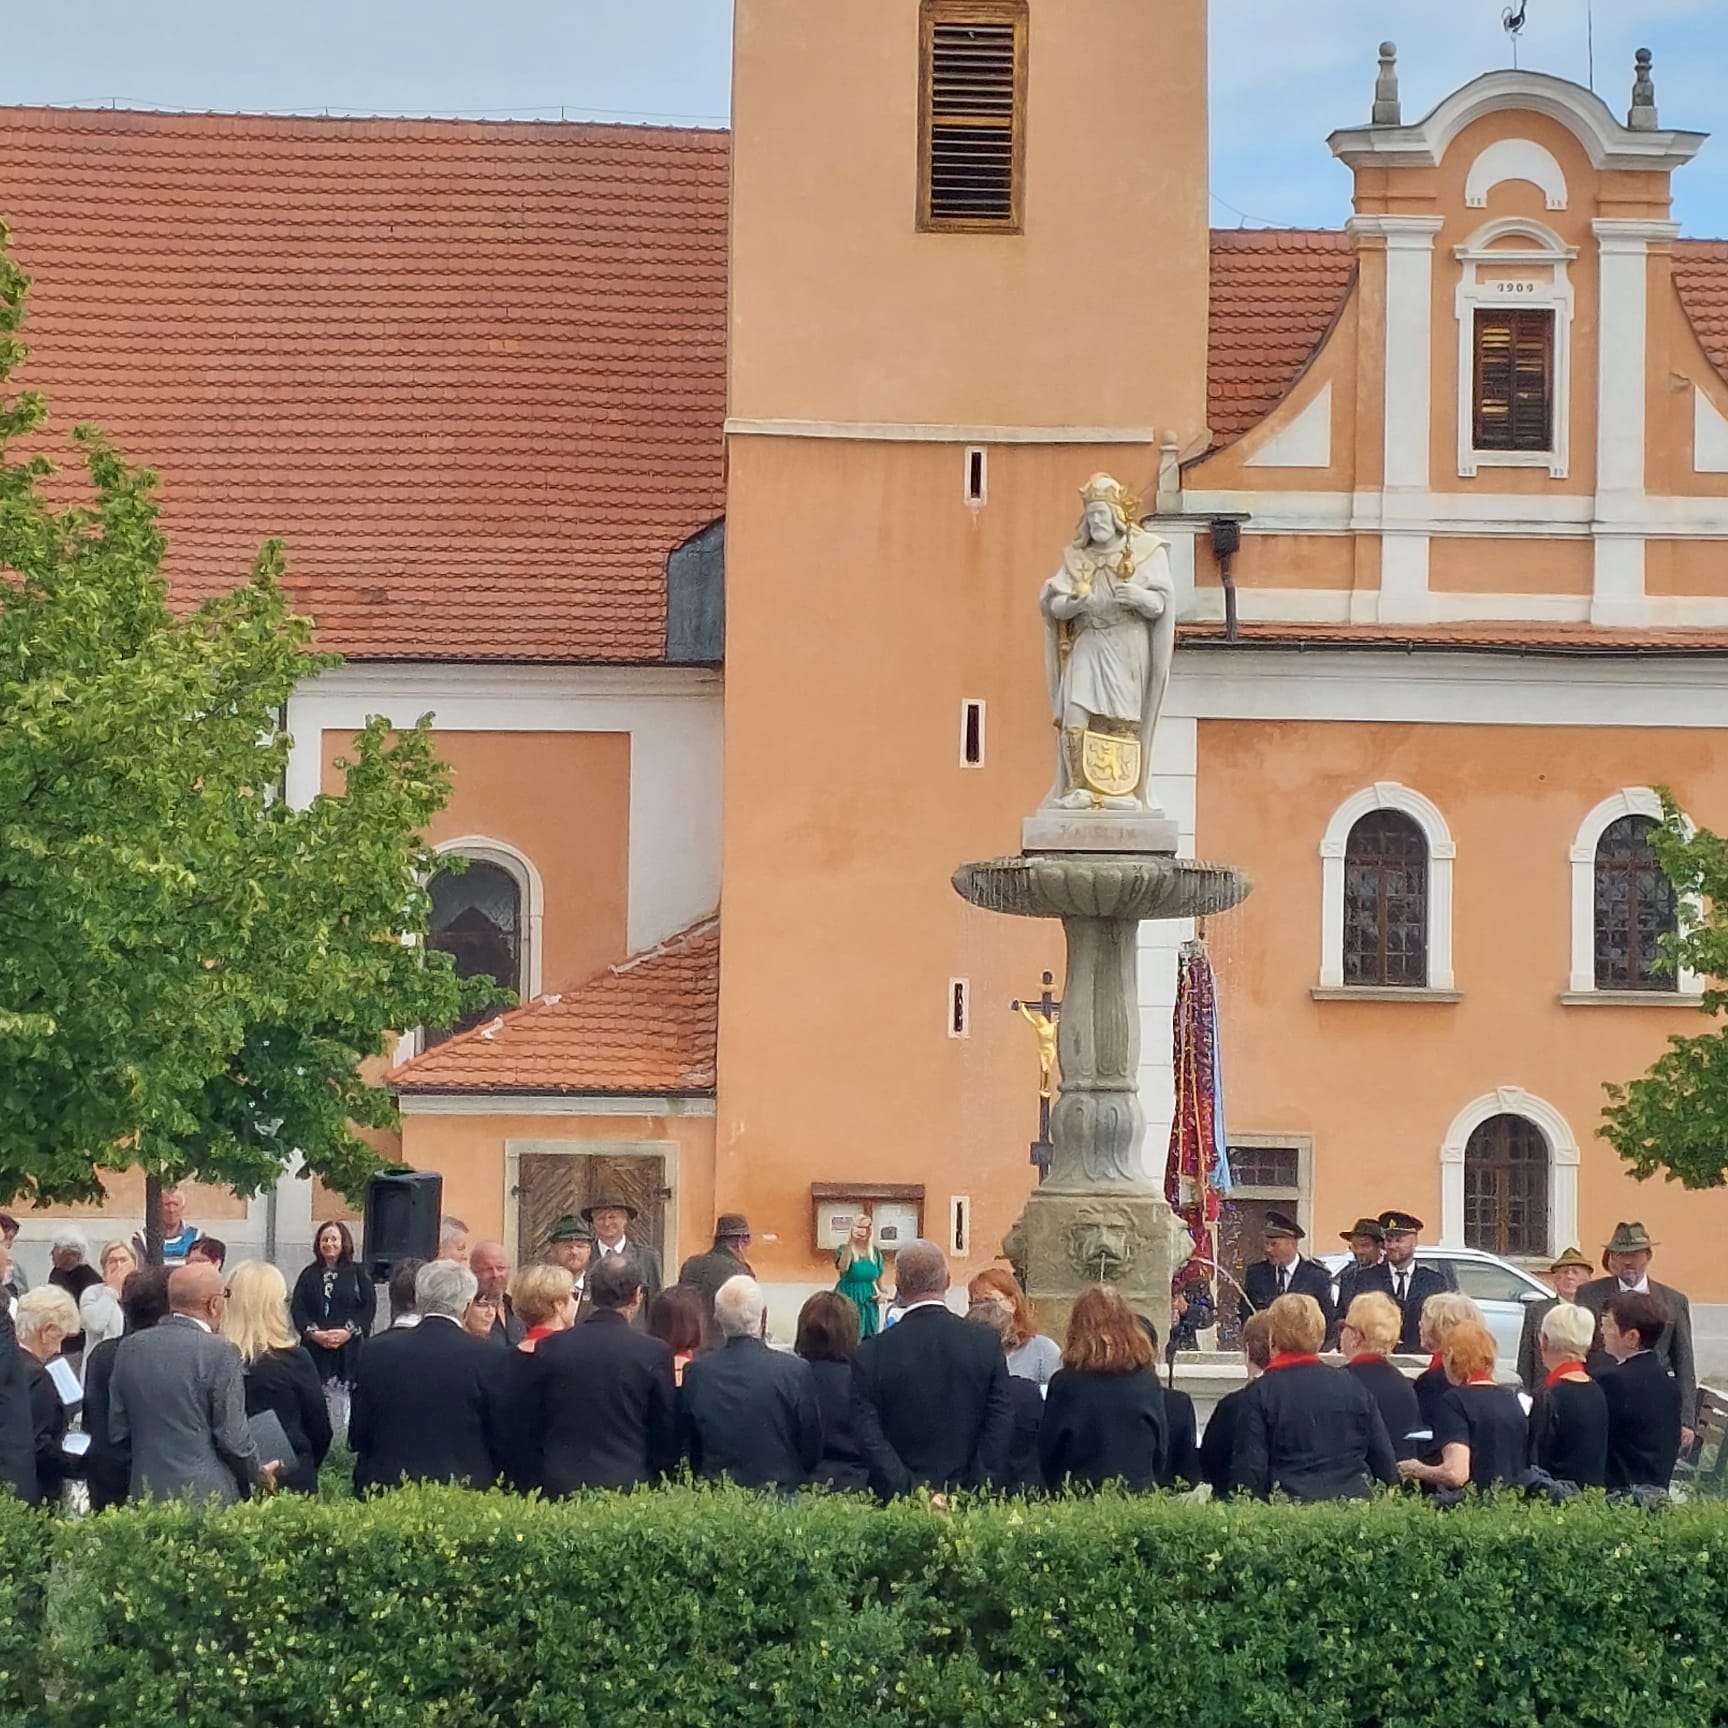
<point x="582" y="1372"/>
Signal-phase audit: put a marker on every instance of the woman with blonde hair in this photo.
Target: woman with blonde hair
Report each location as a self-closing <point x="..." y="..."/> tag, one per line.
<point x="1033" y="1355"/>
<point x="99" y="1306"/>
<point x="1441" y="1316"/>
<point x="1479" y="1426"/>
<point x="859" y="1263"/>
<point x="1368" y="1335"/>
<point x="1306" y="1430"/>
<point x="1104" y="1413"/>
<point x="46" y="1319"/>
<point x="280" y="1374"/>
<point x="543" y="1298"/>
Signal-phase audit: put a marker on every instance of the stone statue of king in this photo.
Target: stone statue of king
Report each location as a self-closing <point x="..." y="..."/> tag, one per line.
<point x="1110" y="629"/>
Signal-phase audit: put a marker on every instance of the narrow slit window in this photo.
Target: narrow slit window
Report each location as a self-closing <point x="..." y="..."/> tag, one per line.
<point x="972" y="734"/>
<point x="972" y="103"/>
<point x="959" y="1008"/>
<point x="1514" y="407"/>
<point x="960" y="1225"/>
<point x="977" y="476"/>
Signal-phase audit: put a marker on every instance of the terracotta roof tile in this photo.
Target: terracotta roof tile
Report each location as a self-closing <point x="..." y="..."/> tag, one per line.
<point x="1530" y="638"/>
<point x="474" y="372"/>
<point x="1275" y="293"/>
<point x="1701" y="277"/>
<point x="647" y="1026"/>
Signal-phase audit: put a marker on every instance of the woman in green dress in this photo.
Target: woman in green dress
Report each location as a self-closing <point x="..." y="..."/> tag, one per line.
<point x="860" y="1267"/>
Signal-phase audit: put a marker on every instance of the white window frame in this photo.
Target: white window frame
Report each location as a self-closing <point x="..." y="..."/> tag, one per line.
<point x="1545" y="251"/>
<point x="1629" y="801"/>
<point x="1442" y="852"/>
<point x="1564" y="1158"/>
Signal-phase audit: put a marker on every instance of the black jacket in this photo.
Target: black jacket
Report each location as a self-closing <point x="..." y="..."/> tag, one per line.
<point x="1181" y="1467"/>
<point x="353" y="1304"/>
<point x="1219" y="1441"/>
<point x="1425" y="1281"/>
<point x="107" y="1467"/>
<point x="1350" y="1284"/>
<point x="1491" y="1422"/>
<point x="17" y="1429"/>
<point x="1102" y="1428"/>
<point x="426" y="1409"/>
<point x="749" y="1413"/>
<point x="286" y="1381"/>
<point x="1569" y="1432"/>
<point x="1021" y="1471"/>
<point x="1394" y="1397"/>
<point x="606" y="1407"/>
<point x="705" y="1273"/>
<point x="1673" y="1348"/>
<point x="1307" y="1278"/>
<point x="930" y="1403"/>
<point x="1644" y="1419"/>
<point x="1310" y="1432"/>
<point x="841" y="1464"/>
<point x="48" y="1427"/>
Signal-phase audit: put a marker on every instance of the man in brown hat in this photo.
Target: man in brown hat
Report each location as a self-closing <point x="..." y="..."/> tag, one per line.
<point x="611" y="1217"/>
<point x="1367" y="1242"/>
<point x="1627" y="1260"/>
<point x="705" y="1273"/>
<point x="1567" y="1273"/>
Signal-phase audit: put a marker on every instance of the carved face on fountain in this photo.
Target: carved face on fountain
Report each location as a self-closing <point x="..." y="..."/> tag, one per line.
<point x="1104" y="1245"/>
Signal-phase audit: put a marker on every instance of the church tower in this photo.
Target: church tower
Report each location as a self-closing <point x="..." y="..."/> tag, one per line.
<point x="969" y="270"/>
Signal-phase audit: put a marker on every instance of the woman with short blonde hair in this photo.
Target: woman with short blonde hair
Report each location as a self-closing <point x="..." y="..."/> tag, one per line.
<point x="46" y="1319"/>
<point x="280" y="1374"/>
<point x="1306" y="1430"/>
<point x="1104" y="1413"/>
<point x="1368" y="1335"/>
<point x="1440" y="1314"/>
<point x="1569" y="1415"/>
<point x="1480" y="1430"/>
<point x="544" y="1300"/>
<point x="99" y="1306"/>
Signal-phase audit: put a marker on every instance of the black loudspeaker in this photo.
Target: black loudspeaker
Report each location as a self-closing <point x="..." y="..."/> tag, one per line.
<point x="402" y="1212"/>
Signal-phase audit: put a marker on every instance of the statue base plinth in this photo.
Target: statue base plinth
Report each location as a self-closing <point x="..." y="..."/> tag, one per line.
<point x="1098" y="831"/>
<point x="1072" y="1237"/>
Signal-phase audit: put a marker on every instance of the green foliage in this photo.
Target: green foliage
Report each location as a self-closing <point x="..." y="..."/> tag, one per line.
<point x="1675" y="1118"/>
<point x="719" y="1609"/>
<point x="192" y="971"/>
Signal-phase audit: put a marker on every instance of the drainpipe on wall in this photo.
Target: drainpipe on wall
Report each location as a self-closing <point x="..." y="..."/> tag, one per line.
<point x="1226" y="543"/>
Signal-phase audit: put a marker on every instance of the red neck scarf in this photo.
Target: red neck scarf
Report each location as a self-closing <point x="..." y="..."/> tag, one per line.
<point x="1480" y="1380"/>
<point x="1290" y="1359"/>
<point x="535" y="1333"/>
<point x="1436" y="1361"/>
<point x="1560" y="1370"/>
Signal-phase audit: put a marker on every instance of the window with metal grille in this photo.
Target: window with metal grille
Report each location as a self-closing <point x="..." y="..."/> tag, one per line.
<point x="477" y="920"/>
<point x="1265" y="1167"/>
<point x="1514" y="380"/>
<point x="1386" y="902"/>
<point x="1635" y="909"/>
<point x="972" y="102"/>
<point x="1506" y="1187"/>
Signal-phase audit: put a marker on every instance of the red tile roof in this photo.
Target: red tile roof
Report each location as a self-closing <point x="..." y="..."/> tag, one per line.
<point x="1524" y="638"/>
<point x="474" y="372"/>
<point x="1275" y="294"/>
<point x="647" y="1026"/>
<point x="1701" y="277"/>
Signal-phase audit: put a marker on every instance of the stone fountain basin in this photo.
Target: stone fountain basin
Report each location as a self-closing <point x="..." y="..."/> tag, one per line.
<point x="1101" y="885"/>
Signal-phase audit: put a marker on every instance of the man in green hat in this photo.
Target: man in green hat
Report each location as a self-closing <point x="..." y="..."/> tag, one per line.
<point x="1627" y="1259"/>
<point x="570" y="1244"/>
<point x="1568" y="1274"/>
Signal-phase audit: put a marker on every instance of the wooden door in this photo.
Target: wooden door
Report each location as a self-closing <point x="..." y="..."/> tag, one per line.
<point x="550" y="1184"/>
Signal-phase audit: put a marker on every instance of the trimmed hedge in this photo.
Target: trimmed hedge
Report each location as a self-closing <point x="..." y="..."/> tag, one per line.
<point x="718" y="1609"/>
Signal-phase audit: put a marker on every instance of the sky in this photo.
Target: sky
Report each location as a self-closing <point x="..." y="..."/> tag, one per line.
<point x="1284" y="73"/>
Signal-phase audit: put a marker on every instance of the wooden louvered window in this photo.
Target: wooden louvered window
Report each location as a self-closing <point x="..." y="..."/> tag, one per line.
<point x="972" y="104"/>
<point x="1514" y="380"/>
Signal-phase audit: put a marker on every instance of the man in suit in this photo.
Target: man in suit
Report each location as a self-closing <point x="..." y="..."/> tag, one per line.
<point x="1567" y="1273"/>
<point x="427" y="1402"/>
<point x="610" y="1218"/>
<point x="1644" y="1401"/>
<point x="177" y="1401"/>
<point x="930" y="1402"/>
<point x="1286" y="1271"/>
<point x="570" y="1244"/>
<point x="604" y="1409"/>
<point x="1627" y="1260"/>
<point x="17" y="1429"/>
<point x="490" y="1265"/>
<point x="1403" y="1277"/>
<point x="1367" y="1242"/>
<point x="747" y="1412"/>
<point x="705" y="1273"/>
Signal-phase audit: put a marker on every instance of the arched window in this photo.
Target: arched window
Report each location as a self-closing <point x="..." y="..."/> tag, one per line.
<point x="477" y="920"/>
<point x="1506" y="1181"/>
<point x="1386" y="901"/>
<point x="1634" y="908"/>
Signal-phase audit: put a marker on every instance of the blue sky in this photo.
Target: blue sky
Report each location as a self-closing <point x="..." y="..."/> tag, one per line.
<point x="1284" y="72"/>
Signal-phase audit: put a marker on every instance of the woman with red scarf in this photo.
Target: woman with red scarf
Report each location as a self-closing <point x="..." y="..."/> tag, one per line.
<point x="1569" y="1420"/>
<point x="1307" y="1430"/>
<point x="1479" y="1427"/>
<point x="1368" y="1335"/>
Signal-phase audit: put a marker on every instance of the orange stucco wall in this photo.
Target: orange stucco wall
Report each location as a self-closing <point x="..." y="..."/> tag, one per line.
<point x="124" y="1191"/>
<point x="563" y="800"/>
<point x="842" y="311"/>
<point x="1523" y="566"/>
<point x="1378" y="1084"/>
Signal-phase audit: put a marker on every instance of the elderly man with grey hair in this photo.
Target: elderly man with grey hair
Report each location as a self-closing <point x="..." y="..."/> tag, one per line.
<point x="426" y="1401"/>
<point x="747" y="1412"/>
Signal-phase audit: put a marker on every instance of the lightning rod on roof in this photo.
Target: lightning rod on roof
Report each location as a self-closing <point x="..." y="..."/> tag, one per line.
<point x="1513" y="20"/>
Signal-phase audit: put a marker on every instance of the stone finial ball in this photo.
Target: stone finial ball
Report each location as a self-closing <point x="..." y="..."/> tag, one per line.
<point x="1388" y="50"/>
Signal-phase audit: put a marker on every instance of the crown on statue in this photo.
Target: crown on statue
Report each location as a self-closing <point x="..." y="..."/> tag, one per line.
<point x="1103" y="489"/>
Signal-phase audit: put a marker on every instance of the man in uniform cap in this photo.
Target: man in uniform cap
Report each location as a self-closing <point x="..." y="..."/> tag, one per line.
<point x="1627" y="1259"/>
<point x="611" y="1216"/>
<point x="1567" y="1273"/>
<point x="1404" y="1278"/>
<point x="1286" y="1271"/>
<point x="570" y="1244"/>
<point x="705" y="1273"/>
<point x="1367" y="1242"/>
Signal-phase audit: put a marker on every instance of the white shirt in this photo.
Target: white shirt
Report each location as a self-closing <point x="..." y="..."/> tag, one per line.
<point x="924" y="1302"/>
<point x="1401" y="1276"/>
<point x="202" y="1325"/>
<point x="1641" y="1288"/>
<point x="622" y="1248"/>
<point x="1285" y="1276"/>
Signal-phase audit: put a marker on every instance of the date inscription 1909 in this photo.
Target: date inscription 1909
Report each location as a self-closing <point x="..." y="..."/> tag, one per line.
<point x="1517" y="287"/>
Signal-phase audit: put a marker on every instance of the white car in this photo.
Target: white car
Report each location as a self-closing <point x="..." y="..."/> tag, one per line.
<point x="1496" y="1286"/>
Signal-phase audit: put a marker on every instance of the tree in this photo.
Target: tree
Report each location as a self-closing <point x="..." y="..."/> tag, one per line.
<point x="1675" y="1118"/>
<point x="191" y="972"/>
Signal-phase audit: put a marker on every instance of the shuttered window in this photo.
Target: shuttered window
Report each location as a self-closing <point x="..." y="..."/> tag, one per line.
<point x="973" y="115"/>
<point x="1514" y="380"/>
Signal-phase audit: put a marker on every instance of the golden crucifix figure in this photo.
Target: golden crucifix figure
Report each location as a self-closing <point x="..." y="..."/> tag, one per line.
<point x="1042" y="1016"/>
